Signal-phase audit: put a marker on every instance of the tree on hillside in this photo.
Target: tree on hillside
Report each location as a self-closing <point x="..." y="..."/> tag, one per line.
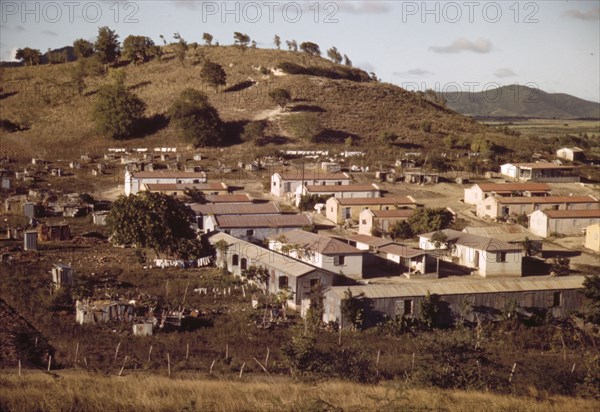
<point x="155" y="221"/>
<point x="29" y="55"/>
<point x="351" y="309"/>
<point x="292" y="45"/>
<point x="180" y="48"/>
<point x="198" y="121"/>
<point x="254" y="131"/>
<point x="117" y="112"/>
<point x="305" y="126"/>
<point x="334" y="55"/>
<point x="387" y="138"/>
<point x="208" y="38"/>
<point x="400" y="230"/>
<point x="107" y="46"/>
<point x="277" y="41"/>
<point x="83" y="48"/>
<point x="425" y="220"/>
<point x="213" y="74"/>
<point x="591" y="291"/>
<point x="241" y="39"/>
<point x="310" y="48"/>
<point x="347" y="61"/>
<point x="281" y="97"/>
<point x="138" y="49"/>
<point x="78" y="76"/>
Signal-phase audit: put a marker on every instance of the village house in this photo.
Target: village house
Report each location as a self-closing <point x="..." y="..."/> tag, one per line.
<point x="421" y="177"/>
<point x="52" y="232"/>
<point x="368" y="243"/>
<point x="409" y="261"/>
<point x="283" y="183"/>
<point x="558" y="296"/>
<point x="505" y="207"/>
<point x="321" y="251"/>
<point x="381" y="220"/>
<point x="178" y="189"/>
<point x="206" y="213"/>
<point x="258" y="227"/>
<point x="546" y="223"/>
<point x="342" y="191"/>
<point x="62" y="275"/>
<point x="509" y="233"/>
<point x="592" y="237"/>
<point x="136" y="181"/>
<point x="570" y="153"/>
<point x="480" y="191"/>
<point x="340" y="210"/>
<point x="487" y="257"/>
<point x="285" y="273"/>
<point x="540" y="172"/>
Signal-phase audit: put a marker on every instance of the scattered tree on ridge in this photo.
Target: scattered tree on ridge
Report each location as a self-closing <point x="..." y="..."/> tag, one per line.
<point x="198" y="121"/>
<point x="241" y="39"/>
<point x="334" y="55"/>
<point x="310" y="48"/>
<point x="107" y="46"/>
<point x="138" y="49"/>
<point x="208" y="38"/>
<point x="280" y="96"/>
<point x="33" y="56"/>
<point x="83" y="48"/>
<point x="277" y="41"/>
<point x="213" y="74"/>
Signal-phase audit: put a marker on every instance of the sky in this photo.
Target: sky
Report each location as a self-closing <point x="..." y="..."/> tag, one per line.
<point x="442" y="45"/>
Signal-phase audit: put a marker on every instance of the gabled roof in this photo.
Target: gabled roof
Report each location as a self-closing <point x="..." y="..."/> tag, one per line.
<point x="261" y="221"/>
<point x="359" y="201"/>
<point x="517" y="200"/>
<point x="370" y="240"/>
<point x="394" y="213"/>
<point x="314" y="174"/>
<point x="402" y="250"/>
<point x="317" y="243"/>
<point x="475" y="241"/>
<point x="168" y="175"/>
<point x="185" y="186"/>
<point x="241" y="198"/>
<point x="341" y="188"/>
<point x="235" y="209"/>
<point x="513" y="187"/>
<point x="572" y="214"/>
<point x="474" y="286"/>
<point x="264" y="257"/>
<point x="541" y="165"/>
<point x="506" y="233"/>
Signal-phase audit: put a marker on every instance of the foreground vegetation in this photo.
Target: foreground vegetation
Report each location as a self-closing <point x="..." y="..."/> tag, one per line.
<point x="77" y="390"/>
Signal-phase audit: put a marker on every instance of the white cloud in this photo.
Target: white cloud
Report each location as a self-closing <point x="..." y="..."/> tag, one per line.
<point x="481" y="46"/>
<point x="9" y="55"/>
<point x="414" y="72"/>
<point x="49" y="33"/>
<point x="19" y="28"/>
<point x="504" y="72"/>
<point x="364" y="7"/>
<point x="590" y="15"/>
<point x="366" y="66"/>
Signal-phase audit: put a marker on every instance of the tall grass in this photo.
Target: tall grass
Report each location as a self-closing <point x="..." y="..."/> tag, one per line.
<point x="76" y="390"/>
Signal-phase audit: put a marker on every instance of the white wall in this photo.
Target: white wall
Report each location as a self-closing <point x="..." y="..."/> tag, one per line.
<point x="473" y="195"/>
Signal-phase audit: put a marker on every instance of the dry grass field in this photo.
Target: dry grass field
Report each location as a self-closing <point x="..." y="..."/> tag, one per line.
<point x="80" y="391"/>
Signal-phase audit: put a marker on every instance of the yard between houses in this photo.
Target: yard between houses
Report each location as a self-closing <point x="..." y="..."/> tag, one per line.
<point x="79" y="390"/>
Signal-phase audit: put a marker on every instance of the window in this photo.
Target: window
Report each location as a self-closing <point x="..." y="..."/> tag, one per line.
<point x="314" y="283"/>
<point x="488" y="207"/>
<point x="500" y="257"/>
<point x="235" y="260"/>
<point x="339" y="260"/>
<point x="363" y="222"/>
<point x="227" y="231"/>
<point x="274" y="183"/>
<point x="408" y="306"/>
<point x="250" y="232"/>
<point x="283" y="282"/>
<point x="244" y="264"/>
<point x="404" y="307"/>
<point x="556" y="299"/>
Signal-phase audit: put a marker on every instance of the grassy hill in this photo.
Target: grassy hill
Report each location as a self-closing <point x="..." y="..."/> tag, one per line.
<point x="47" y="112"/>
<point x="522" y="101"/>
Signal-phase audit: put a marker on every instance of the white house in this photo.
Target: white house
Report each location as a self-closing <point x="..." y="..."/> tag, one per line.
<point x="504" y="207"/>
<point x="592" y="237"/>
<point x="339" y="191"/>
<point x="288" y="181"/>
<point x="380" y="219"/>
<point x="570" y="153"/>
<point x="540" y="172"/>
<point x="321" y="251"/>
<point x="480" y="191"/>
<point x="545" y="223"/>
<point x="487" y="256"/>
<point x="205" y="213"/>
<point x="338" y="210"/>
<point x="409" y="260"/>
<point x="510" y="233"/>
<point x="136" y="181"/>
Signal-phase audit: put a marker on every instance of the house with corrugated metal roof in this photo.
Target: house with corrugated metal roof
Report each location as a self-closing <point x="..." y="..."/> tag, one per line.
<point x="381" y="220"/>
<point x="340" y="210"/>
<point x="487" y="257"/>
<point x="206" y="213"/>
<point x="510" y="233"/>
<point x="321" y="251"/>
<point x="505" y="207"/>
<point x="409" y="261"/>
<point x="179" y="189"/>
<point x="285" y="273"/>
<point x="545" y="223"/>
<point x="541" y="172"/>
<point x="339" y="191"/>
<point x="488" y="299"/>
<point x="367" y="242"/>
<point x="259" y="227"/>
<point x="481" y="191"/>
<point x="136" y="181"/>
<point x="288" y="181"/>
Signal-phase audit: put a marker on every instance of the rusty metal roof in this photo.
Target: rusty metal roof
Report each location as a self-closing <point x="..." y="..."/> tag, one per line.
<point x="506" y="233"/>
<point x="545" y="199"/>
<point x="358" y="201"/>
<point x="168" y="175"/>
<point x="312" y="174"/>
<point x="475" y="241"/>
<point x="341" y="188"/>
<point x="260" y="221"/>
<point x="398" y="213"/>
<point x="568" y="214"/>
<point x="318" y="243"/>
<point x="514" y="187"/>
<point x="402" y="250"/>
<point x="236" y="209"/>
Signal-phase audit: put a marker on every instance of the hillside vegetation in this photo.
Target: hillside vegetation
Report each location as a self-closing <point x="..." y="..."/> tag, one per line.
<point x="45" y="110"/>
<point x="522" y="101"/>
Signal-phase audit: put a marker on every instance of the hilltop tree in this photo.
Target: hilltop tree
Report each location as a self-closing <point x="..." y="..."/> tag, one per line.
<point x="197" y="119"/>
<point x="33" y="56"/>
<point x="347" y="61"/>
<point x="107" y="46"/>
<point x="334" y="55"/>
<point x="162" y="37"/>
<point x="213" y="74"/>
<point x="277" y="41"/>
<point x="312" y="49"/>
<point x="138" y="49"/>
<point x="241" y="39"/>
<point x="180" y="48"/>
<point x="208" y="38"/>
<point x="155" y="221"/>
<point x="292" y="45"/>
<point x="280" y="96"/>
<point x="117" y="112"/>
<point x="83" y="48"/>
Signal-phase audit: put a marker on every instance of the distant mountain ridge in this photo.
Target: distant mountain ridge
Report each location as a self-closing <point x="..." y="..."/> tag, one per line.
<point x="521" y="101"/>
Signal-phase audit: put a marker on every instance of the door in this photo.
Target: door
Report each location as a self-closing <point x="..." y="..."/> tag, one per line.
<point x="476" y="259"/>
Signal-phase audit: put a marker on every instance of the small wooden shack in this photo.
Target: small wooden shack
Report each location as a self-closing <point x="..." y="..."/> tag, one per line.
<point x="62" y="275"/>
<point x="54" y="232"/>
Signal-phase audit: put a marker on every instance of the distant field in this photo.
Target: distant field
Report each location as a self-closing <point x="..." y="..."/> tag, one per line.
<point x="548" y="127"/>
<point x="75" y="390"/>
